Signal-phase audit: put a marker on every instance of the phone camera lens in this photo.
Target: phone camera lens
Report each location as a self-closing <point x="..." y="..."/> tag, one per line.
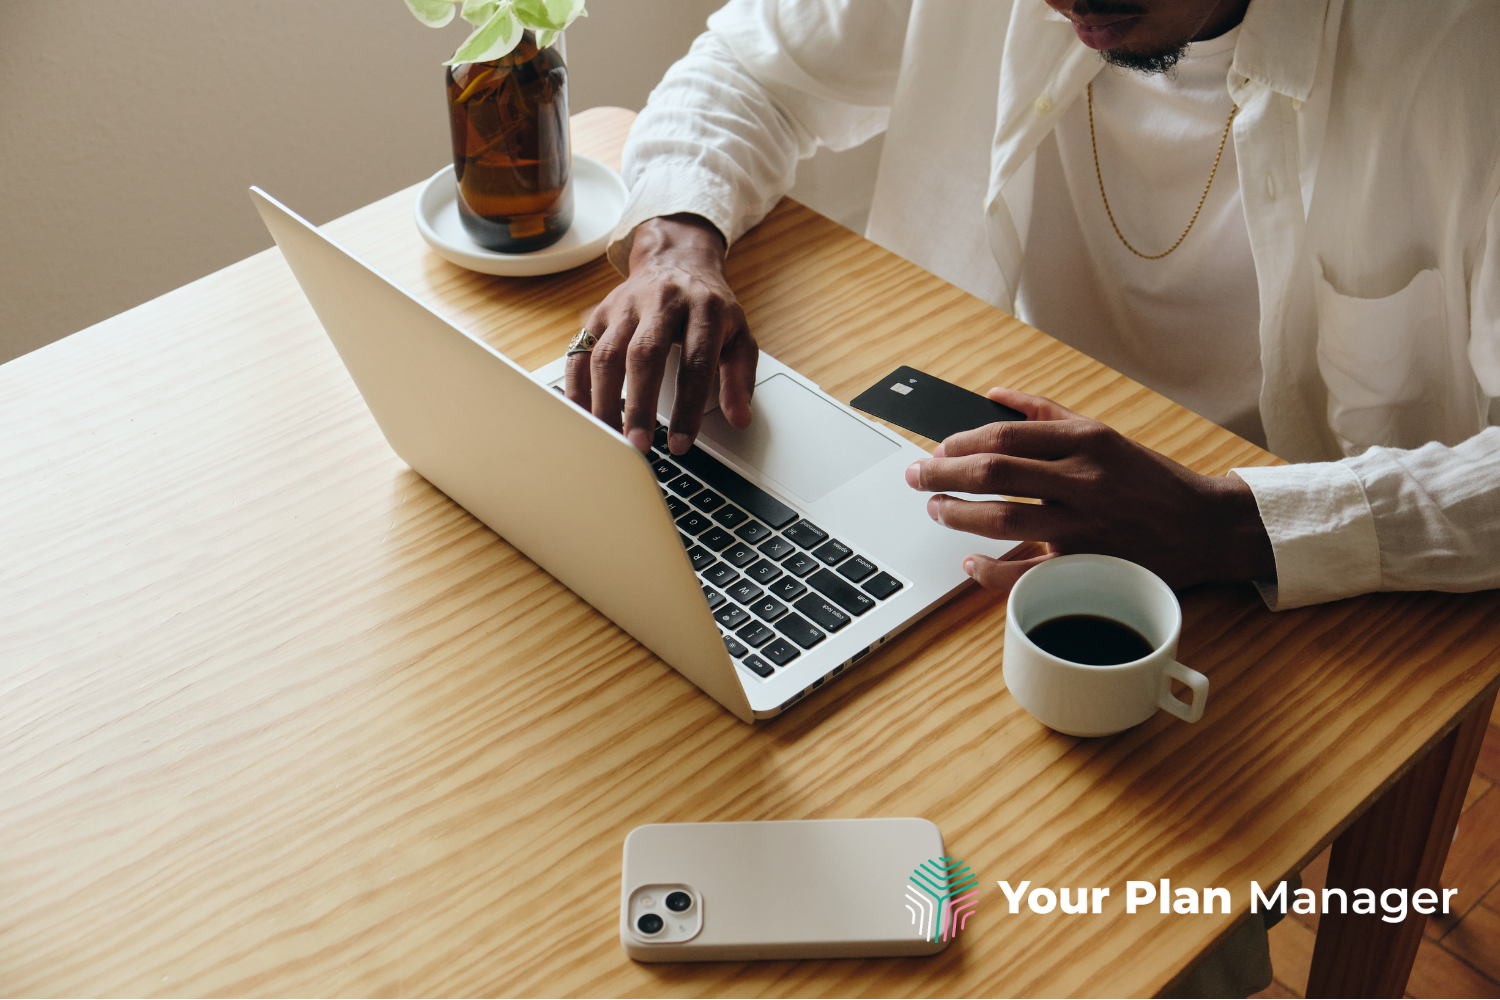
<point x="678" y="901"/>
<point x="649" y="923"/>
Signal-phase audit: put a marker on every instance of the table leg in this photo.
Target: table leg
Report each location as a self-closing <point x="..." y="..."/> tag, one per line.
<point x="1401" y="841"/>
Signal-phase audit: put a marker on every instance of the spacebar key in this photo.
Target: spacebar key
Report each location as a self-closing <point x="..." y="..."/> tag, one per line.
<point x="736" y="487"/>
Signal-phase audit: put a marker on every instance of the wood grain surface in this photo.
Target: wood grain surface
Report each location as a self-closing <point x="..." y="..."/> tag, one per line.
<point x="277" y="717"/>
<point x="1431" y="793"/>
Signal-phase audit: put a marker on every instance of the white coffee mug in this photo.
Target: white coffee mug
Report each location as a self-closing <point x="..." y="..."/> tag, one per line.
<point x="1084" y="700"/>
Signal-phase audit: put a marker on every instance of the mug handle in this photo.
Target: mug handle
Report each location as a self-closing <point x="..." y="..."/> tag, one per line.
<point x="1194" y="680"/>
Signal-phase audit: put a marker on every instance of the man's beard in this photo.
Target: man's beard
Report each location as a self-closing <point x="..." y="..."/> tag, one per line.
<point x="1152" y="62"/>
<point x="1148" y="62"/>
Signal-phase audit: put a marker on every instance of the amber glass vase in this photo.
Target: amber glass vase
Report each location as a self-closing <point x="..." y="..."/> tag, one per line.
<point x="510" y="148"/>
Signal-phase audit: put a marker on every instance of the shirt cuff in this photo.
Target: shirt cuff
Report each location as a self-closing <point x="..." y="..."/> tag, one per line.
<point x="1322" y="533"/>
<point x="667" y="187"/>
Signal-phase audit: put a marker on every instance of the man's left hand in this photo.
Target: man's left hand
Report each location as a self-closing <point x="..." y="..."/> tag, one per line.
<point x="1100" y="492"/>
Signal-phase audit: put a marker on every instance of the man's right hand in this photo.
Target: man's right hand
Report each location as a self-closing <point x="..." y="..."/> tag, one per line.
<point x="676" y="294"/>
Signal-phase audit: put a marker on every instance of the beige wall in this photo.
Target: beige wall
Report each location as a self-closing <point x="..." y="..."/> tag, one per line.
<point x="129" y="132"/>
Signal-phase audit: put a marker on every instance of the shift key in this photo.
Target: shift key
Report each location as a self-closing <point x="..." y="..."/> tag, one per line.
<point x="820" y="611"/>
<point x="839" y="590"/>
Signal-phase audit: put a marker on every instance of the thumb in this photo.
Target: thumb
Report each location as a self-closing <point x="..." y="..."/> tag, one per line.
<point x="1000" y="575"/>
<point x="1035" y="407"/>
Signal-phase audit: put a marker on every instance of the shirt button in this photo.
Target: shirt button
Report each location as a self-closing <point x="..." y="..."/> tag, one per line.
<point x="1044" y="105"/>
<point x="1270" y="187"/>
<point x="1296" y="104"/>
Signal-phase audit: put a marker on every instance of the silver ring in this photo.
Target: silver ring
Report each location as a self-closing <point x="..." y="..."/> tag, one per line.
<point x="582" y="343"/>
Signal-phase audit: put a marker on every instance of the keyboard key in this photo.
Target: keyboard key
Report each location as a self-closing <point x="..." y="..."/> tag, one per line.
<point x="736" y="488"/>
<point x="781" y="652"/>
<point x="707" y="500"/>
<point x="753" y="532"/>
<point x="659" y="440"/>
<point x="739" y="554"/>
<point x="768" y="609"/>
<point x="763" y="572"/>
<point x="714" y="597"/>
<point x="735" y="649"/>
<point x="806" y="534"/>
<point x="677" y="506"/>
<point x="685" y="486"/>
<point x="720" y="575"/>
<point x="857" y="569"/>
<point x="787" y="589"/>
<point x="883" y="585"/>
<point x="800" y="564"/>
<point x="693" y="522"/>
<point x="755" y="634"/>
<point x="730" y="516"/>
<point x="777" y="548"/>
<point x="745" y="592"/>
<point x="665" y="470"/>
<point x="700" y="556"/>
<point x="833" y="553"/>
<point x="758" y="665"/>
<point x="715" y="538"/>
<point x="800" y="630"/>
<point x="841" y="592"/>
<point x="731" y="616"/>
<point x="820" y="611"/>
<point x="687" y="542"/>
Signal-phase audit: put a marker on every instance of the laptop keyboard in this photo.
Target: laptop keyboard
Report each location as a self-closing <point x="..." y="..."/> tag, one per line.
<point x="776" y="583"/>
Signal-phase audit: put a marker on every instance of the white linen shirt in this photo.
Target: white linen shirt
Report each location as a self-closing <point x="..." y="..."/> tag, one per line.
<point x="1369" y="164"/>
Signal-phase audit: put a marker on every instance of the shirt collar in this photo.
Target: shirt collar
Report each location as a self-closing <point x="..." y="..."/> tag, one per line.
<point x="1279" y="45"/>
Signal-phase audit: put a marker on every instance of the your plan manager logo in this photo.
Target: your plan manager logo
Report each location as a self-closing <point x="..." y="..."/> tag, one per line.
<point x="940" y="896"/>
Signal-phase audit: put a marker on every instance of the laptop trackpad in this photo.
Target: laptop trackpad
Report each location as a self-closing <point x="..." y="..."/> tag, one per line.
<point x="800" y="440"/>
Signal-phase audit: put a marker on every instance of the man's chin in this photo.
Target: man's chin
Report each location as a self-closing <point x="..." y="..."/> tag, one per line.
<point x="1144" y="62"/>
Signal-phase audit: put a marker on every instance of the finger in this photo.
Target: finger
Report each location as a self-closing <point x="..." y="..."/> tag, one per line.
<point x="695" y="373"/>
<point x="1006" y="519"/>
<point x="645" y="361"/>
<point x="737" y="363"/>
<point x="577" y="381"/>
<point x="1001" y="574"/>
<point x="576" y="384"/>
<point x="990" y="473"/>
<point x="1035" y="407"/>
<point x="607" y="367"/>
<point x="1019" y="438"/>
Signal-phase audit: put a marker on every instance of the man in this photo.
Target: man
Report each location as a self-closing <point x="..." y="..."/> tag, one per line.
<point x="1336" y="292"/>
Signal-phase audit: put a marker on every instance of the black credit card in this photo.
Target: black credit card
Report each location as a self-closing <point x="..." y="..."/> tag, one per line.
<point x="928" y="405"/>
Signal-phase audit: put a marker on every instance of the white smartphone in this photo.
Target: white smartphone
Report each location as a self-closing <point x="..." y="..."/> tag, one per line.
<point x="831" y="888"/>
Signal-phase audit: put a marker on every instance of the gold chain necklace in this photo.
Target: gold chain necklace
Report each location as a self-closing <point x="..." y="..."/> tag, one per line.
<point x="1095" y="143"/>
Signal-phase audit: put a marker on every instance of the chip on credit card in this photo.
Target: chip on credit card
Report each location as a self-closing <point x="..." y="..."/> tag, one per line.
<point x="929" y="406"/>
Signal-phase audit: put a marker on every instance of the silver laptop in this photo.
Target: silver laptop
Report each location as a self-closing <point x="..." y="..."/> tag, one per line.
<point x="761" y="565"/>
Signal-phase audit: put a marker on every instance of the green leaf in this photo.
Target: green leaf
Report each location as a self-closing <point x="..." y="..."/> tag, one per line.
<point x="545" y="37"/>
<point x="478" y="12"/>
<point x="433" y="13"/>
<point x="549" y="14"/>
<point x="491" y="40"/>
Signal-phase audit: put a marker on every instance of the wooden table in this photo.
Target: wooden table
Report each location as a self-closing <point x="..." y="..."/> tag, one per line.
<point x="276" y="717"/>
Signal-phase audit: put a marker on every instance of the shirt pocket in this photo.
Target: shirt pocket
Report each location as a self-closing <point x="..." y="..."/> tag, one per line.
<point x="1375" y="356"/>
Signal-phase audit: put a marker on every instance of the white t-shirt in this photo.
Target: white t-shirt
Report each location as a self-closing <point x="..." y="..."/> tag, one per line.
<point x="1186" y="325"/>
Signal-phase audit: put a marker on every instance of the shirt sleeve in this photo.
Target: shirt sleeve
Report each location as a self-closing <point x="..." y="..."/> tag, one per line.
<point x="1389" y="519"/>
<point x="765" y="86"/>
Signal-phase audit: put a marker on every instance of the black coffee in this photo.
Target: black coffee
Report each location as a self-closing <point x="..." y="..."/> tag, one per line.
<point x="1090" y="639"/>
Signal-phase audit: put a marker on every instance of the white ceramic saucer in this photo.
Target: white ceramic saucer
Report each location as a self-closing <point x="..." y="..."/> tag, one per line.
<point x="598" y="202"/>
